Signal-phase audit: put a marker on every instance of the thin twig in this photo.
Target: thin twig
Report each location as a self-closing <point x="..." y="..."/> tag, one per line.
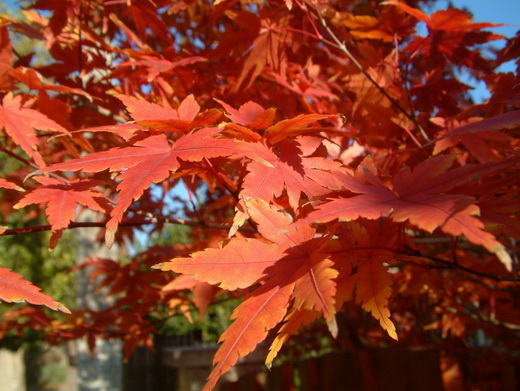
<point x="155" y="220"/>
<point x="105" y="112"/>
<point x="341" y="46"/>
<point x="18" y="157"/>
<point x="30" y="164"/>
<point x="481" y="319"/>
<point x="443" y="264"/>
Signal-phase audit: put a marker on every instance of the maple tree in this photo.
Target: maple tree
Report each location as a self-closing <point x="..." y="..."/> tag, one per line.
<point x="344" y="169"/>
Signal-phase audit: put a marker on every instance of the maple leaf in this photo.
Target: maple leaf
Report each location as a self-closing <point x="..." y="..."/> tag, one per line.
<point x="250" y="114"/>
<point x="125" y="131"/>
<point x="362" y="261"/>
<point x="450" y="19"/>
<point x="374" y="289"/>
<point x="419" y="197"/>
<point x="141" y="110"/>
<point x="19" y="121"/>
<point x="293" y="266"/>
<point x="61" y="199"/>
<point x="149" y="160"/>
<point x="258" y="314"/>
<point x="203" y="293"/>
<point x="183" y="119"/>
<point x="267" y="50"/>
<point x="15" y="289"/>
<point x="245" y="263"/>
<point x="365" y="26"/>
<point x="9" y="185"/>
<point x="503" y="121"/>
<point x="269" y="174"/>
<point x="156" y="66"/>
<point x="35" y="81"/>
<point x="302" y="257"/>
<point x="294" y="321"/>
<point x="484" y="146"/>
<point x="146" y="20"/>
<point x="293" y="127"/>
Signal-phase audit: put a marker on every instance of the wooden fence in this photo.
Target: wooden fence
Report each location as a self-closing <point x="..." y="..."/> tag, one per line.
<point x="185" y="368"/>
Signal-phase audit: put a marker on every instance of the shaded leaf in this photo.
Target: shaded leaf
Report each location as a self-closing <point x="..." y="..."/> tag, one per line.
<point x="293" y="127"/>
<point x="503" y="121"/>
<point x="419" y="198"/>
<point x="20" y="121"/>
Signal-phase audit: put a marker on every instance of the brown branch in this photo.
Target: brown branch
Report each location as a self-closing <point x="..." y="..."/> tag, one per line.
<point x="481" y="318"/>
<point x="155" y="220"/>
<point x="341" y="46"/>
<point x="29" y="163"/>
<point x="448" y="265"/>
<point x="104" y="112"/>
<point x="18" y="157"/>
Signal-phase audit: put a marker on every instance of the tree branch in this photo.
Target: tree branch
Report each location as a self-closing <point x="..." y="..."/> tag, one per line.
<point x="104" y="112"/>
<point x="155" y="220"/>
<point x="29" y="163"/>
<point x="443" y="264"/>
<point x="481" y="319"/>
<point x="341" y="46"/>
<point x="18" y="157"/>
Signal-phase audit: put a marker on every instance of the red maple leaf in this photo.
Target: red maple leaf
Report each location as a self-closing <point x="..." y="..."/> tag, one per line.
<point x="19" y="122"/>
<point x="450" y="19"/>
<point x="250" y="114"/>
<point x="269" y="174"/>
<point x="61" y="199"/>
<point x="503" y="121"/>
<point x="149" y="160"/>
<point x="183" y="119"/>
<point x="158" y="65"/>
<point x="419" y="196"/>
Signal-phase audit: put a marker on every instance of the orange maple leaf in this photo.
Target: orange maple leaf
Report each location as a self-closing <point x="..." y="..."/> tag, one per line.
<point x="9" y="185"/>
<point x="14" y="289"/>
<point x="292" y="266"/>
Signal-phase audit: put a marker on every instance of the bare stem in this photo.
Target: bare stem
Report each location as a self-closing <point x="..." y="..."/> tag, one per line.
<point x="104" y="112"/>
<point x="29" y="163"/>
<point x="482" y="319"/>
<point x="155" y="220"/>
<point x="341" y="46"/>
<point x="443" y="264"/>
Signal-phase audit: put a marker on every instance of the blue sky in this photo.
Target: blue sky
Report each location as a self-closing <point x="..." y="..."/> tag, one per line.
<point x="499" y="11"/>
<point x="506" y="12"/>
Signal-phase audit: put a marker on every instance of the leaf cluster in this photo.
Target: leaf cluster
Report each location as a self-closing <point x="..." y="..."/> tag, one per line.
<point x="345" y="172"/>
